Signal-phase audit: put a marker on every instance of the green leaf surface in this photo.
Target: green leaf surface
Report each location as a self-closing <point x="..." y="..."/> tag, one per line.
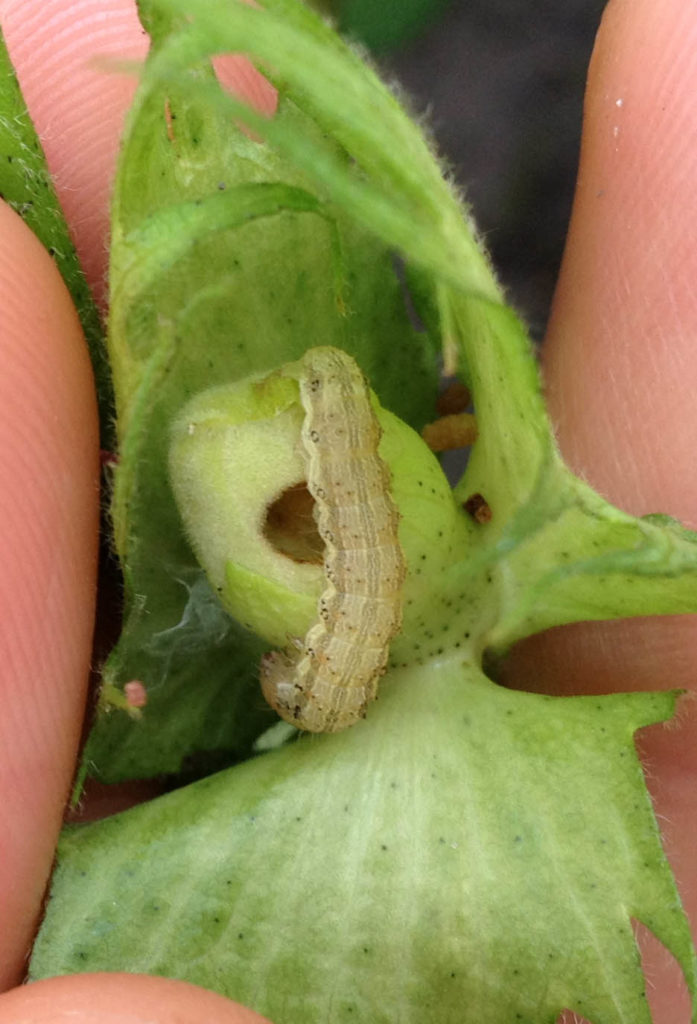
<point x="465" y="846"/>
<point x="25" y="183"/>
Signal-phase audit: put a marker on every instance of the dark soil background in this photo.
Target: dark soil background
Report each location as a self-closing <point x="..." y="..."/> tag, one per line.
<point x="501" y="83"/>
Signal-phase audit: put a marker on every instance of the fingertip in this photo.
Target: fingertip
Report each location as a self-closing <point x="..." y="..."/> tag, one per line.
<point x="620" y="361"/>
<point x="620" y="368"/>
<point x="49" y="504"/>
<point x="120" y="999"/>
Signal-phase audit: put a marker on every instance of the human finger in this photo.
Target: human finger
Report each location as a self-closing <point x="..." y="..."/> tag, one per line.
<point x="119" y="999"/>
<point x="620" y="367"/>
<point x="49" y="505"/>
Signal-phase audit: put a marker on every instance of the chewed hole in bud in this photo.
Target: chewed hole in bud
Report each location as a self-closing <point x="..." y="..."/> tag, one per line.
<point x="290" y="525"/>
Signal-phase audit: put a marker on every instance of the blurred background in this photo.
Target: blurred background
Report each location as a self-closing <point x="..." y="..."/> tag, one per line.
<point x="501" y="84"/>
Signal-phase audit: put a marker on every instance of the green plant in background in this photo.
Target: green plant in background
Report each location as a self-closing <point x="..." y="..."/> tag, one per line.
<point x="465" y="846"/>
<point x="385" y="26"/>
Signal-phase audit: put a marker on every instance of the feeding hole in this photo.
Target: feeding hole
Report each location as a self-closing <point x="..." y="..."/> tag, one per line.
<point x="290" y="525"/>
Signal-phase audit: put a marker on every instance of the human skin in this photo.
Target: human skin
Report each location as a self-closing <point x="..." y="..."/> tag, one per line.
<point x="620" y="370"/>
<point x="620" y="364"/>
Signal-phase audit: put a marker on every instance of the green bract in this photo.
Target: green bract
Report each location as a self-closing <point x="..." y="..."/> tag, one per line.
<point x="466" y="849"/>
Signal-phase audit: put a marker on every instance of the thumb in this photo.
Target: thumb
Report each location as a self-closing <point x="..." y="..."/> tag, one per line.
<point x="49" y="503"/>
<point x="620" y="366"/>
<point x="620" y="359"/>
<point x="119" y="999"/>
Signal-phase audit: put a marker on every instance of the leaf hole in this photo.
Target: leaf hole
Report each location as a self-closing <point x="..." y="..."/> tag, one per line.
<point x="290" y="526"/>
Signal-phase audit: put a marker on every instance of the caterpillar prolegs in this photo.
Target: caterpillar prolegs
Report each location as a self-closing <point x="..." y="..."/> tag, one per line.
<point x="325" y="682"/>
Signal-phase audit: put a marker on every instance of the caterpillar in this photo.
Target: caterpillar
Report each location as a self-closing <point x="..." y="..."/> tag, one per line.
<point x="324" y="682"/>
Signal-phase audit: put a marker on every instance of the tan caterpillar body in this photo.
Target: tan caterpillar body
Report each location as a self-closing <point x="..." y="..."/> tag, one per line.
<point x="327" y="681"/>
